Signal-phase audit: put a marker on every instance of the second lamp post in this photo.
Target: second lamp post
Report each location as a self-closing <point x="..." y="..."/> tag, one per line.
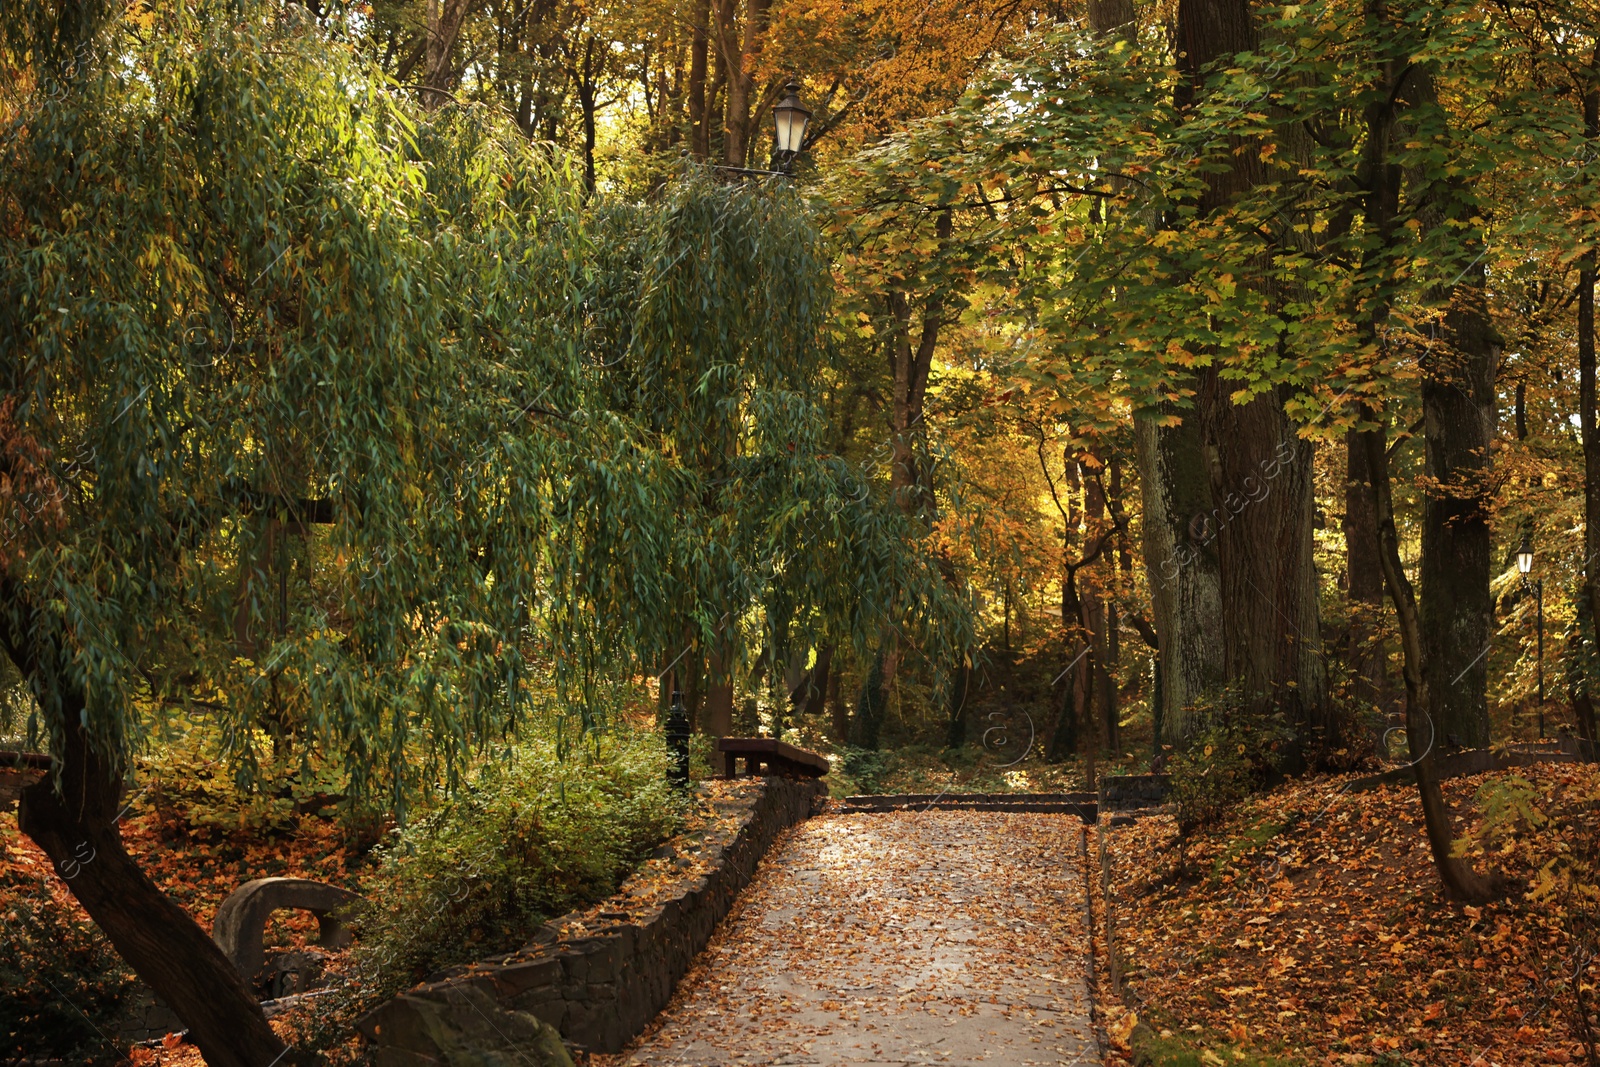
<point x="1524" y="567"/>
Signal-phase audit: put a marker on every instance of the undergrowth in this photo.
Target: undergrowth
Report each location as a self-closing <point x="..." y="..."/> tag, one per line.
<point x="526" y="841"/>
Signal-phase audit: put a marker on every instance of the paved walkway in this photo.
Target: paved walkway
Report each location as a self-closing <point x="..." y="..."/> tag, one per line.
<point x="914" y="938"/>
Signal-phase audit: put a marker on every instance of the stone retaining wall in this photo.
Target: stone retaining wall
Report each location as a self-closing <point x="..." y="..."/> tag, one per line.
<point x="1125" y="792"/>
<point x="598" y="991"/>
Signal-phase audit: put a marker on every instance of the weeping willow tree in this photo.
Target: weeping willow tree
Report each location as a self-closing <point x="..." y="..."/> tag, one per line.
<point x="320" y="417"/>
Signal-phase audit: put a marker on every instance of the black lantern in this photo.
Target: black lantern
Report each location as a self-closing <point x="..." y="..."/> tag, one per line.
<point x="678" y="731"/>
<point x="789" y="120"/>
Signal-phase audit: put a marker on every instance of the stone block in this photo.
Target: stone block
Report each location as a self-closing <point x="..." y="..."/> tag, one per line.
<point x="513" y="979"/>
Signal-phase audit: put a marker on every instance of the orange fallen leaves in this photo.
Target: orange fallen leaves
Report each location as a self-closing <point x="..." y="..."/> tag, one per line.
<point x="1328" y="937"/>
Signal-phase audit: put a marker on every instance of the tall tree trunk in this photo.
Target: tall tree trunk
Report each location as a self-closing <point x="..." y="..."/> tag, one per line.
<point x="587" y="106"/>
<point x="699" y="128"/>
<point x="838" y="709"/>
<point x="1458" y="410"/>
<point x="1586" y="400"/>
<point x="1364" y="581"/>
<point x="1181" y="565"/>
<point x="1108" y="15"/>
<point x="1262" y="522"/>
<point x="1461" y="882"/>
<point x="742" y="60"/>
<point x="1123" y="568"/>
<point x="910" y="366"/>
<point x="444" y="26"/>
<point x="1098" y="620"/>
<point x="719" y="691"/>
<point x="1381" y="179"/>
<point x="817" y="681"/>
<point x="1457" y="608"/>
<point x="1272" y="642"/>
<point x="956" y="730"/>
<point x="871" y="704"/>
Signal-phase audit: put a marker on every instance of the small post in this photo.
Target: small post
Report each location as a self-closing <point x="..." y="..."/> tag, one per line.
<point x="678" y="731"/>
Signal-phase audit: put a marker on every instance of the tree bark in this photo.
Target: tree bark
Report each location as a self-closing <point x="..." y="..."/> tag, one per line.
<point x="1364" y="581"/>
<point x="1184" y="577"/>
<point x="699" y="128"/>
<point x="910" y="366"/>
<point x="1458" y="409"/>
<point x="817" y="681"/>
<point x="1098" y="620"/>
<point x="1461" y="882"/>
<point x="76" y="825"/>
<point x="838" y="709"/>
<point x="742" y="60"/>
<point x="1457" y="608"/>
<point x="444" y="26"/>
<point x="1271" y="629"/>
<point x="1586" y="406"/>
<point x="956" y="731"/>
<point x="1261" y="523"/>
<point x="1381" y="180"/>
<point x="719" y="691"/>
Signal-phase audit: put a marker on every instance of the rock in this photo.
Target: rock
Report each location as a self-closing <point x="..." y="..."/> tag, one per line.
<point x="463" y="1026"/>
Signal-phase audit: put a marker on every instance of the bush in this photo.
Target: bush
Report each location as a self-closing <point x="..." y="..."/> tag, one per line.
<point x="1233" y="752"/>
<point x="525" y="842"/>
<point x="867" y="768"/>
<point x="61" y="982"/>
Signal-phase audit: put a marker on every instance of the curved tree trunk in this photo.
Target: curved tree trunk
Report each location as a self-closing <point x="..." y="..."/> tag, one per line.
<point x="77" y="828"/>
<point x="1461" y="882"/>
<point x="72" y="815"/>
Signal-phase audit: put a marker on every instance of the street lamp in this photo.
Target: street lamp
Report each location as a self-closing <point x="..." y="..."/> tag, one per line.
<point x="1525" y="566"/>
<point x="790" y="118"/>
<point x="678" y="732"/>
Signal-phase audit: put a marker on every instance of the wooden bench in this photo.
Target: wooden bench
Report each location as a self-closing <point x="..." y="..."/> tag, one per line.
<point x="781" y="759"/>
<point x="18" y="770"/>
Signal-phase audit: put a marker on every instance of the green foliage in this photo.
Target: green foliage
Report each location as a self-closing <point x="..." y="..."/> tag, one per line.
<point x="527" y="840"/>
<point x="1255" y="836"/>
<point x="1506" y="805"/>
<point x="16" y="703"/>
<point x="1234" y="751"/>
<point x="871" y="703"/>
<point x="1077" y="176"/>
<point x="61" y="982"/>
<point x="1182" y="1050"/>
<point x="864" y="770"/>
<point x="347" y="424"/>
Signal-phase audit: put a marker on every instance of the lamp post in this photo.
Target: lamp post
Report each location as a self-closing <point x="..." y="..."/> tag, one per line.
<point x="1525" y="566"/>
<point x="790" y="118"/>
<point x="678" y="731"/>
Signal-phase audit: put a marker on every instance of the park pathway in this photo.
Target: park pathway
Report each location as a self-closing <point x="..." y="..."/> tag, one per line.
<point x="911" y="938"/>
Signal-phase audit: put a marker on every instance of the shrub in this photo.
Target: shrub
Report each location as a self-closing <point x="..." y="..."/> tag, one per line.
<point x="867" y="768"/>
<point x="1233" y="752"/>
<point x="526" y="841"/>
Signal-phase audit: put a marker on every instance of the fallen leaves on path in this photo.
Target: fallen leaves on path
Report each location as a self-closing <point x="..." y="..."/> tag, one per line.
<point x="936" y="937"/>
